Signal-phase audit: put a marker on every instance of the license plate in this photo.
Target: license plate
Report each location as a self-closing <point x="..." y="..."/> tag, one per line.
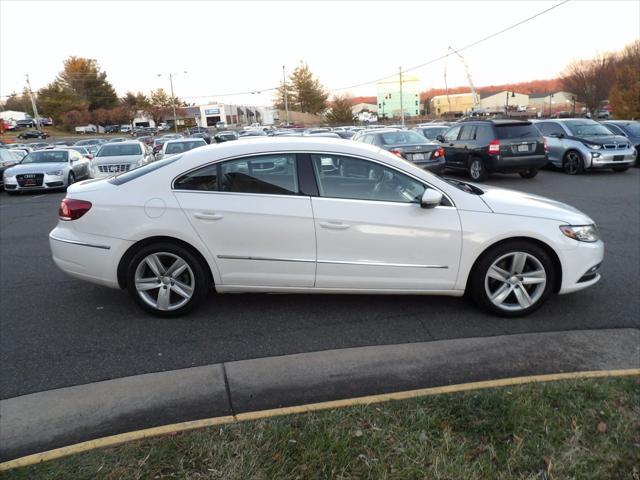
<point x="617" y="158"/>
<point x="29" y="183"/>
<point x="418" y="156"/>
<point x="523" y="148"/>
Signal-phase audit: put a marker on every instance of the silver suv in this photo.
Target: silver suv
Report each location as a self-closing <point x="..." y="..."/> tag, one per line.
<point x="579" y="144"/>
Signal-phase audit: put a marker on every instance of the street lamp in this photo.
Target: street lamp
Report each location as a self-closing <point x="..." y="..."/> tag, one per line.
<point x="506" y="107"/>
<point x="550" y="103"/>
<point x="173" y="100"/>
<point x="573" y="108"/>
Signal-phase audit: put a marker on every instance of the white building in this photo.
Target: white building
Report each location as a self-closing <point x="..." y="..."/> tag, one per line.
<point x="210" y="115"/>
<point x="10" y="116"/>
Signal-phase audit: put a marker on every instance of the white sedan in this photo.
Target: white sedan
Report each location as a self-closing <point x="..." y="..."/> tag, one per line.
<point x="315" y="215"/>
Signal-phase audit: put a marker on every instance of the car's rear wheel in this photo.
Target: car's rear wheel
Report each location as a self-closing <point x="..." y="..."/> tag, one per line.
<point x="166" y="279"/>
<point x="512" y="279"/>
<point x="532" y="172"/>
<point x="572" y="163"/>
<point x="477" y="172"/>
<point x="620" y="169"/>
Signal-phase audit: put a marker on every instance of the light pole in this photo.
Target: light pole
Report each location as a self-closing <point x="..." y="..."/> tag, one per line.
<point x="173" y="101"/>
<point x="506" y="107"/>
<point x="286" y="100"/>
<point x="573" y="109"/>
<point x="401" y="104"/>
<point x="550" y="103"/>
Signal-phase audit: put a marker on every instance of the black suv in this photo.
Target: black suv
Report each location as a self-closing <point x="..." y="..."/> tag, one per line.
<point x="484" y="146"/>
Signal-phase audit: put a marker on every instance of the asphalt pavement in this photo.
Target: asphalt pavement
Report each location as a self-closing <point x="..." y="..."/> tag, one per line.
<point x="58" y="332"/>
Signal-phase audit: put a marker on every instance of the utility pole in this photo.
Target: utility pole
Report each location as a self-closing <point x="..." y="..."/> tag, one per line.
<point x="173" y="105"/>
<point x="286" y="100"/>
<point x="33" y="103"/>
<point x="401" y="104"/>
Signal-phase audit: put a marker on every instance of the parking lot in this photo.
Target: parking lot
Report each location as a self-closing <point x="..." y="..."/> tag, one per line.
<point x="57" y="331"/>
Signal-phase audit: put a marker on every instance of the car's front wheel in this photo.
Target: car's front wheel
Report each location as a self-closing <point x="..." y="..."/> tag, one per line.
<point x="512" y="279"/>
<point x="166" y="279"/>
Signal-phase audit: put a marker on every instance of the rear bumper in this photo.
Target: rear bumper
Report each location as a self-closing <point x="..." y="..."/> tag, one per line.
<point x="433" y="166"/>
<point x="499" y="163"/>
<point x="91" y="258"/>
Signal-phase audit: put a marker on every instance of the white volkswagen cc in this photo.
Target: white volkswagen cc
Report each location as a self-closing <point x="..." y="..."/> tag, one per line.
<point x="315" y="215"/>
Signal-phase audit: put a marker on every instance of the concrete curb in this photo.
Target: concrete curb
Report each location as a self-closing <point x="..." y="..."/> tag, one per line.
<point x="51" y="419"/>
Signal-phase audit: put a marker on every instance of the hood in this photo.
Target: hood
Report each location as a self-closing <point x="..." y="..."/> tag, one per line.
<point x="116" y="159"/>
<point x="601" y="139"/>
<point x="512" y="202"/>
<point x="36" y="168"/>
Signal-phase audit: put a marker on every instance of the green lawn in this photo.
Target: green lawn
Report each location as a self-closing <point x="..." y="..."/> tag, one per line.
<point x="582" y="429"/>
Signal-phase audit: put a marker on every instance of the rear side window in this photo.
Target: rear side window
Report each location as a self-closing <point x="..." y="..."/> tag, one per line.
<point x="517" y="130"/>
<point x="203" y="179"/>
<point x="267" y="174"/>
<point x="484" y="133"/>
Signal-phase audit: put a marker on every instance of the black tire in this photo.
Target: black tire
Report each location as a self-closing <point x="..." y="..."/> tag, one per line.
<point x="572" y="163"/>
<point x="201" y="277"/>
<point x="477" y="172"/>
<point x="620" y="169"/>
<point x="476" y="282"/>
<point x="71" y="180"/>
<point x="532" y="172"/>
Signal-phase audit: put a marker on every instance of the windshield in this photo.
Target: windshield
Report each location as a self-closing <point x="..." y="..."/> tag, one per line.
<point x="399" y="138"/>
<point x="517" y="130"/>
<point x="118" y="150"/>
<point x="46" y="156"/>
<point x="180" y="147"/>
<point x="587" y="128"/>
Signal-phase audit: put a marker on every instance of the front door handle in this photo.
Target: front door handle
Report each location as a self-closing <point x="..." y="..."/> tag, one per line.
<point x="208" y="216"/>
<point x="334" y="225"/>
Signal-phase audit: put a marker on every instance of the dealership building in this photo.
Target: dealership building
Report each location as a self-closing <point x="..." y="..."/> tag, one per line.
<point x="210" y="115"/>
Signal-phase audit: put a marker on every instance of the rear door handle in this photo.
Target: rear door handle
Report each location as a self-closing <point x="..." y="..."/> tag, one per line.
<point x="334" y="225"/>
<point x="208" y="216"/>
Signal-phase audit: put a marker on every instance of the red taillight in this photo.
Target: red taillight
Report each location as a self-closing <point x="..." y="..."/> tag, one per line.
<point x="494" y="147"/>
<point x="72" y="209"/>
<point x="397" y="152"/>
<point x="438" y="153"/>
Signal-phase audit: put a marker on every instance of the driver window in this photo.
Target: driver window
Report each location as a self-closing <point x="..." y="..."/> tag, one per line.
<point x="353" y="178"/>
<point x="452" y="135"/>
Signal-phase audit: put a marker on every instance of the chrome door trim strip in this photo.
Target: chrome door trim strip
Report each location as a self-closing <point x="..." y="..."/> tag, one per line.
<point x="83" y="244"/>
<point x="378" y="264"/>
<point x="331" y="262"/>
<point x="265" y="259"/>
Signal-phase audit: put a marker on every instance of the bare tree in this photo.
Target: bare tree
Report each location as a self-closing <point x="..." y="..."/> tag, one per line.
<point x="590" y="80"/>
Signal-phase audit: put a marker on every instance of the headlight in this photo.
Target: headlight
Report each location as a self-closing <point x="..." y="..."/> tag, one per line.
<point x="581" y="233"/>
<point x="593" y="146"/>
<point x="55" y="173"/>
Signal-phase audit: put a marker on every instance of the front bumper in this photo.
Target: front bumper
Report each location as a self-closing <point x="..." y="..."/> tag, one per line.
<point x="579" y="266"/>
<point x="49" y="182"/>
<point x="608" y="159"/>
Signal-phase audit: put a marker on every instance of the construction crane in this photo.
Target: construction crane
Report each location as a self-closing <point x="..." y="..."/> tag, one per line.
<point x="474" y="97"/>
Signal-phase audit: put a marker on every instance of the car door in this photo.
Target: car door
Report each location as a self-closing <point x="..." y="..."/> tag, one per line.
<point x="254" y="219"/>
<point x="554" y="134"/>
<point x="465" y="144"/>
<point x="372" y="233"/>
<point x="450" y="146"/>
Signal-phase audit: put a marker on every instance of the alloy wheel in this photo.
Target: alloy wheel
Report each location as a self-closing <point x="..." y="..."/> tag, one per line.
<point x="515" y="281"/>
<point x="572" y="163"/>
<point x="164" y="281"/>
<point x="475" y="169"/>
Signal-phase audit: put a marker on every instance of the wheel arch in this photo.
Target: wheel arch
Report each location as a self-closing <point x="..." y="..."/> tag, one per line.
<point x="133" y="249"/>
<point x="586" y="160"/>
<point x="546" y="247"/>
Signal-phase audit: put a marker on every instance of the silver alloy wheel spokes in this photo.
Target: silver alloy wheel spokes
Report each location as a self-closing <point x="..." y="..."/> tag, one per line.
<point x="164" y="281"/>
<point x="475" y="169"/>
<point x="515" y="281"/>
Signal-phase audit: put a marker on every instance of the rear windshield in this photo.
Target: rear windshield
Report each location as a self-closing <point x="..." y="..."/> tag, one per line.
<point x="399" y="138"/>
<point x="46" y="156"/>
<point x="517" y="130"/>
<point x="180" y="147"/>
<point x="140" y="171"/>
<point x="117" y="150"/>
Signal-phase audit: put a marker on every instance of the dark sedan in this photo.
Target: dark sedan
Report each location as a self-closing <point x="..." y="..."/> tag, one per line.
<point x="225" y="136"/>
<point x="409" y="145"/>
<point x="33" y="134"/>
<point x="626" y="128"/>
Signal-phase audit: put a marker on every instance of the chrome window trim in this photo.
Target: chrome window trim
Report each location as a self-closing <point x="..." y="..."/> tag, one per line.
<point x="265" y="259"/>
<point x="309" y="152"/>
<point x="76" y="242"/>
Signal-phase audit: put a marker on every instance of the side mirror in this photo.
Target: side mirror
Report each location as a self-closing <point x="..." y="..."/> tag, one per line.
<point x="430" y="198"/>
<point x="440" y="138"/>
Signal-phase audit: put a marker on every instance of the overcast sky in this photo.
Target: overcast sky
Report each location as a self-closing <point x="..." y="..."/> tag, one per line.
<point x="230" y="47"/>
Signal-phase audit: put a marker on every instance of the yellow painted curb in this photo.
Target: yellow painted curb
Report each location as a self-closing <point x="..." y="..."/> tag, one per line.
<point x="121" y="438"/>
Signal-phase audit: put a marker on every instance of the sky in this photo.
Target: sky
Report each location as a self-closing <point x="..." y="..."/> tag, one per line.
<point x="241" y="46"/>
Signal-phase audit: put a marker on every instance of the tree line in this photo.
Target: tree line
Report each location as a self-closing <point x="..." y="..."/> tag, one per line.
<point x="81" y="94"/>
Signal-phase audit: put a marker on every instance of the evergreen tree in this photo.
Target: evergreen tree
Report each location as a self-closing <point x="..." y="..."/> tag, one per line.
<point x="340" y="111"/>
